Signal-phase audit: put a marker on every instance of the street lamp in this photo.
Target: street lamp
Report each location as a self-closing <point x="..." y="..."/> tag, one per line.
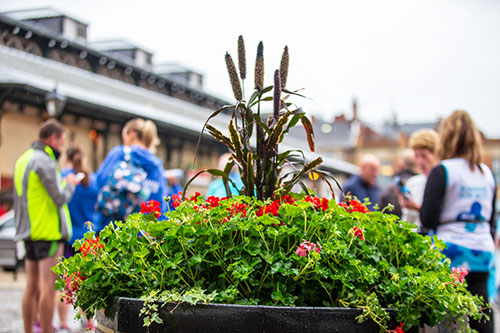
<point x="54" y="103"/>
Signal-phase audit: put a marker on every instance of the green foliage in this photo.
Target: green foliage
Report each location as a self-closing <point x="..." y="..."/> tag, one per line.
<point x="253" y="141"/>
<point x="243" y="250"/>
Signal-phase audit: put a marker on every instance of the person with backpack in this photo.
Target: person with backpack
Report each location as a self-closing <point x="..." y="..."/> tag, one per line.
<point x="130" y="174"/>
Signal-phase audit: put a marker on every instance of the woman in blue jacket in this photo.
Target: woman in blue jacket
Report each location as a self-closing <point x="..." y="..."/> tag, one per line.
<point x="81" y="210"/>
<point x="139" y="138"/>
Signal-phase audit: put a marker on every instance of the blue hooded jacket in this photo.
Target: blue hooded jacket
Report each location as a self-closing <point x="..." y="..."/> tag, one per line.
<point x="146" y="160"/>
<point x="81" y="206"/>
<point x="217" y="188"/>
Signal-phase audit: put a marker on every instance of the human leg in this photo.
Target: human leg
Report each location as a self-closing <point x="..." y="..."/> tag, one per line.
<point x="477" y="284"/>
<point x="47" y="290"/>
<point x="29" y="302"/>
<point x="62" y="311"/>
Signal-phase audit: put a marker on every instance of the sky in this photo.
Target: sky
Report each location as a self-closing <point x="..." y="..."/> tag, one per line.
<point x="416" y="60"/>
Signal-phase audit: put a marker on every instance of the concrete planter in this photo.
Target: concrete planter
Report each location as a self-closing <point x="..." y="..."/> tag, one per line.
<point x="124" y="317"/>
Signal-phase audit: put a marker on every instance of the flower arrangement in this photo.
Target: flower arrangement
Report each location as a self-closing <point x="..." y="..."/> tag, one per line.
<point x="268" y="246"/>
<point x="288" y="251"/>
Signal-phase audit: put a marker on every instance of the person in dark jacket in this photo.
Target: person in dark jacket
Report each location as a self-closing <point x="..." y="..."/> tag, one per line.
<point x="390" y="194"/>
<point x="365" y="185"/>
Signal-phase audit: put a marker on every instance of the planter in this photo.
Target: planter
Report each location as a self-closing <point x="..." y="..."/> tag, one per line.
<point x="233" y="318"/>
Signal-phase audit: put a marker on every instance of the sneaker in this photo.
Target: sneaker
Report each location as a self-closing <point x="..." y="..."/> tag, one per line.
<point x="37" y="327"/>
<point x="63" y="329"/>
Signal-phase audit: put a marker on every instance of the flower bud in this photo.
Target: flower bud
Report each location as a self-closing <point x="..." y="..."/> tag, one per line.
<point x="241" y="58"/>
<point x="259" y="68"/>
<point x="284" y="67"/>
<point x="233" y="77"/>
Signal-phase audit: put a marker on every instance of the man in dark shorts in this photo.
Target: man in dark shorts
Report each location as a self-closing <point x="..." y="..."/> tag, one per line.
<point x="42" y="219"/>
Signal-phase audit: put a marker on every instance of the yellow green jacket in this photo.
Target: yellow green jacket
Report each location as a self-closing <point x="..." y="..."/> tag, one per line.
<point x="40" y="196"/>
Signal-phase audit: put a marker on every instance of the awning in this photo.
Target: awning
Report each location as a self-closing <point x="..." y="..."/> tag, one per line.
<point x="21" y="69"/>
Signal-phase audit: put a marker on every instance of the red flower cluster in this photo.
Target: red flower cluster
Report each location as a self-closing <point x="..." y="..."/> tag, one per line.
<point x="194" y="197"/>
<point x="177" y="199"/>
<point x="318" y="202"/>
<point x="398" y="329"/>
<point x="213" y="201"/>
<point x="358" y="233"/>
<point x="71" y="286"/>
<point x="238" y="208"/>
<point x="459" y="274"/>
<point x="151" y="206"/>
<point x="306" y="247"/>
<point x="354" y="206"/>
<point x="90" y="246"/>
<point x="269" y="209"/>
<point x="287" y="199"/>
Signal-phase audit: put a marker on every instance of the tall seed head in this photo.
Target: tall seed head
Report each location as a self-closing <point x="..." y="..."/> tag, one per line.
<point x="259" y="68"/>
<point x="242" y="64"/>
<point x="284" y="67"/>
<point x="233" y="77"/>
<point x="277" y="94"/>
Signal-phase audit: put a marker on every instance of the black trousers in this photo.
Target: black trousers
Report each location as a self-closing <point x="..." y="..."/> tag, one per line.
<point x="477" y="284"/>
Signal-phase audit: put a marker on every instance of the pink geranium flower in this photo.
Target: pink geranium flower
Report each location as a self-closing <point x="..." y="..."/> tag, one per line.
<point x="459" y="274"/>
<point x="306" y="247"/>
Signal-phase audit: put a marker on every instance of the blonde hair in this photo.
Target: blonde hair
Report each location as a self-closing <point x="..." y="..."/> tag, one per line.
<point x="145" y="130"/>
<point x="460" y="138"/>
<point x="425" y="138"/>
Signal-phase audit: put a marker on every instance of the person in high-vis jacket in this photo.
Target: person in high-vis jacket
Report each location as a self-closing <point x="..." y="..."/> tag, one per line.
<point x="42" y="219"/>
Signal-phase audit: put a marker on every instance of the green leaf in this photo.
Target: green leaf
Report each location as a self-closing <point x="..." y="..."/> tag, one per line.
<point x="309" y="132"/>
<point x="214" y="114"/>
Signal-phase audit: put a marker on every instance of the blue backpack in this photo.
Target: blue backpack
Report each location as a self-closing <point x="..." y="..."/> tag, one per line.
<point x="124" y="190"/>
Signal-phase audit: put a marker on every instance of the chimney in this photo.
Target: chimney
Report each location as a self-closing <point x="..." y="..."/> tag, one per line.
<point x="354" y="109"/>
<point x="340" y="118"/>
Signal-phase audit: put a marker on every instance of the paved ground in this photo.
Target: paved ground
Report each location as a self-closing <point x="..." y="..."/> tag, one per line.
<point x="11" y="292"/>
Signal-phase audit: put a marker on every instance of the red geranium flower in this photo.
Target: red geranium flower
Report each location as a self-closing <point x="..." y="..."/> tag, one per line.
<point x="354" y="206"/>
<point x="287" y="199"/>
<point x="318" y="202"/>
<point x="176" y="199"/>
<point x="398" y="329"/>
<point x="358" y="232"/>
<point x="269" y="209"/>
<point x="90" y="246"/>
<point x="213" y="201"/>
<point x="151" y="206"/>
<point x="194" y="197"/>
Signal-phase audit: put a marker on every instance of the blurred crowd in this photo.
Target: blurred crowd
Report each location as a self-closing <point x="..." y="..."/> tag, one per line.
<point x="445" y="190"/>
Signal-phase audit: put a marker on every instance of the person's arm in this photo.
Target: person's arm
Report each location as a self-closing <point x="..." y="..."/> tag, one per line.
<point x="435" y="189"/>
<point x="493" y="220"/>
<point x="48" y="174"/>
